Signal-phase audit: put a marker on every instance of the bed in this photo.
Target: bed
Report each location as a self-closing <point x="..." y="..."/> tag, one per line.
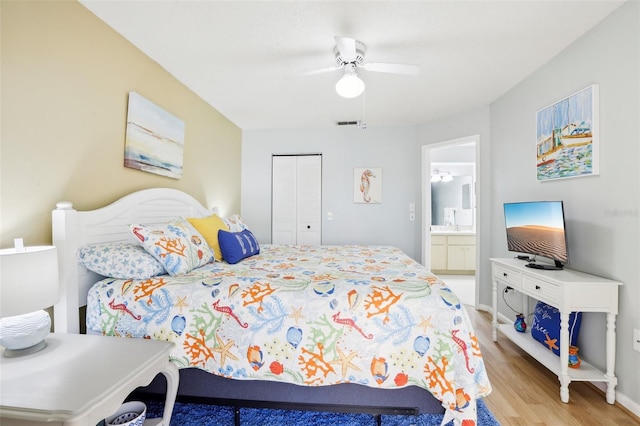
<point x="347" y="328"/>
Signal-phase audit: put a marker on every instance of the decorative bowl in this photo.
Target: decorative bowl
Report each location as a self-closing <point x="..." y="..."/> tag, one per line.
<point x="130" y="413"/>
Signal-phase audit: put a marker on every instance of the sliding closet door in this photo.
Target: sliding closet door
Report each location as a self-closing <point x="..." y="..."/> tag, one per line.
<point x="283" y="201"/>
<point x="308" y="199"/>
<point x="296" y="199"/>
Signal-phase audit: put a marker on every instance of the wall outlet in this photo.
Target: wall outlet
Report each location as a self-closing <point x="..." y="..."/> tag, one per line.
<point x="636" y="339"/>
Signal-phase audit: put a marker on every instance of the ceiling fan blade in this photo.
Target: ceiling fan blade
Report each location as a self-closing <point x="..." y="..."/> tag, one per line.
<point x="322" y="70"/>
<point x="404" y="69"/>
<point x="347" y="48"/>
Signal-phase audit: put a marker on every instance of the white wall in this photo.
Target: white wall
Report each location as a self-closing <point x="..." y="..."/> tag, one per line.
<point x="392" y="149"/>
<point x="600" y="242"/>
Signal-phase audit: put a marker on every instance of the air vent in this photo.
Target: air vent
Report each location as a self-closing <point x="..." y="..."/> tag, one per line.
<point x="348" y="123"/>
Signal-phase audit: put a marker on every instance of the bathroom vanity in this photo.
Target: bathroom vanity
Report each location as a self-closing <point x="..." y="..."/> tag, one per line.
<point x="453" y="251"/>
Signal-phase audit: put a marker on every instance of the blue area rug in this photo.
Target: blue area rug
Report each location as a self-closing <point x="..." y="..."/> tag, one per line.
<point x="205" y="415"/>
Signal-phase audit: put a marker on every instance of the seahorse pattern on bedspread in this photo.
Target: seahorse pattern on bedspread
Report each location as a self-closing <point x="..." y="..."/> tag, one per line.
<point x="311" y="316"/>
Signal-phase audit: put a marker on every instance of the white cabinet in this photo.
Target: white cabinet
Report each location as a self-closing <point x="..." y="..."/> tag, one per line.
<point x="453" y="253"/>
<point x="569" y="291"/>
<point x="296" y="200"/>
<point x="438" y="252"/>
<point x="461" y="252"/>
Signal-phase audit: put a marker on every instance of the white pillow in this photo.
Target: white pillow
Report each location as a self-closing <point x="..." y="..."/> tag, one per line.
<point x="235" y="223"/>
<point x="120" y="260"/>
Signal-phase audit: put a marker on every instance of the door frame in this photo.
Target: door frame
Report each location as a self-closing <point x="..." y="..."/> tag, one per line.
<point x="426" y="199"/>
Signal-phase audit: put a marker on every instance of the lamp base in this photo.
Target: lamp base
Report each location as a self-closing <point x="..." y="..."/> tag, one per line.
<point x="13" y="353"/>
<point x="24" y="334"/>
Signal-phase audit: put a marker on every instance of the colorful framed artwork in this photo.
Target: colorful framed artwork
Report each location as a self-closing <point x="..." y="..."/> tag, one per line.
<point x="567" y="137"/>
<point x="367" y="185"/>
<point x="154" y="139"/>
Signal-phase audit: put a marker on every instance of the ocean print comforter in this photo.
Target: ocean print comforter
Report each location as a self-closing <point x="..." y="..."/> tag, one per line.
<point x="310" y="316"/>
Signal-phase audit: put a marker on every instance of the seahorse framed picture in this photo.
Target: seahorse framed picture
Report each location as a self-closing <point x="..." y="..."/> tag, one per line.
<point x="367" y="185"/>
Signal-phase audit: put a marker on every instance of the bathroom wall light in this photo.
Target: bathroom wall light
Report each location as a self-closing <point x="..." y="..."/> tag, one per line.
<point x="441" y="176"/>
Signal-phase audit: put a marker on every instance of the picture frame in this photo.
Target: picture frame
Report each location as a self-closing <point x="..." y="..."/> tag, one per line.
<point x="567" y="137"/>
<point x="367" y="185"/>
<point x="154" y="140"/>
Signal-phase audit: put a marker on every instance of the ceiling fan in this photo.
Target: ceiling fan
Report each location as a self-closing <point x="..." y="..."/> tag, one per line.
<point x="349" y="54"/>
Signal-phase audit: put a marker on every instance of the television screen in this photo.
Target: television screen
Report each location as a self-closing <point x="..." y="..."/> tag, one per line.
<point x="537" y="228"/>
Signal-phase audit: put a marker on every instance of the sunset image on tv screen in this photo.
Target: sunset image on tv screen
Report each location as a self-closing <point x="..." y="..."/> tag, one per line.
<point x="536" y="228"/>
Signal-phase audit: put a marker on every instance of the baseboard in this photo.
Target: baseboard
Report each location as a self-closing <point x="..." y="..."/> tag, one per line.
<point x="621" y="399"/>
<point x="485" y="308"/>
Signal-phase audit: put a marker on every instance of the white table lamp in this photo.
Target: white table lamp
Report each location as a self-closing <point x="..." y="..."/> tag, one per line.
<point x="28" y="284"/>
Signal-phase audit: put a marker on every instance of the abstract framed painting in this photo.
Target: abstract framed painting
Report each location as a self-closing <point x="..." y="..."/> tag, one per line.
<point x="567" y="137"/>
<point x="154" y="140"/>
<point x="367" y="185"/>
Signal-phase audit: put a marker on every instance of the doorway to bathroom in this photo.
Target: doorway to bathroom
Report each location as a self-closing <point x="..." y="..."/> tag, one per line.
<point x="450" y="235"/>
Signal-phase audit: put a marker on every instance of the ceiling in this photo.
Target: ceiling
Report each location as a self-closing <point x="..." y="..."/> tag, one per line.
<point x="245" y="58"/>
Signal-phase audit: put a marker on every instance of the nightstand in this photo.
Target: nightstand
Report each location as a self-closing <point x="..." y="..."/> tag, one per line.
<point x="81" y="379"/>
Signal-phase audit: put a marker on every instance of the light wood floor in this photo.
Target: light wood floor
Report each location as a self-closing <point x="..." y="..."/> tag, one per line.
<point x="526" y="393"/>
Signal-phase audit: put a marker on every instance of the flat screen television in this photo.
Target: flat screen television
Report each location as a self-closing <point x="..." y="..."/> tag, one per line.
<point x="537" y="228"/>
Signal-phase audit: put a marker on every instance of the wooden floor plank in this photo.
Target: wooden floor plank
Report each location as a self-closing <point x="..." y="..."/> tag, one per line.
<point x="526" y="393"/>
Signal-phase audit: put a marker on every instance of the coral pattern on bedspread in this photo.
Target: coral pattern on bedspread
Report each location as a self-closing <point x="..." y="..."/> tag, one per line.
<point x="311" y="316"/>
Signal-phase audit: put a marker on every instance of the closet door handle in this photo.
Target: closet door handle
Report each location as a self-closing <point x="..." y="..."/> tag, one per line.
<point x="308" y="226"/>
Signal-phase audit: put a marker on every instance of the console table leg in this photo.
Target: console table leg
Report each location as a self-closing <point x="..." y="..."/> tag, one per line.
<point x="611" y="358"/>
<point x="611" y="389"/>
<point x="494" y="322"/>
<point x="173" y="378"/>
<point x="564" y="390"/>
<point x="564" y="357"/>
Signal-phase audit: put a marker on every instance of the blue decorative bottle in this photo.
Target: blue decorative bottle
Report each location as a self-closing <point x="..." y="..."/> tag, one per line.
<point x="519" y="324"/>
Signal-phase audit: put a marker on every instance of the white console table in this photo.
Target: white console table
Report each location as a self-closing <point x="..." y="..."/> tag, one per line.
<point x="78" y="380"/>
<point x="569" y="291"/>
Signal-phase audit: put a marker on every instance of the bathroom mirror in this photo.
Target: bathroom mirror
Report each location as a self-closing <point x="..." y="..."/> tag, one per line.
<point x="452" y="202"/>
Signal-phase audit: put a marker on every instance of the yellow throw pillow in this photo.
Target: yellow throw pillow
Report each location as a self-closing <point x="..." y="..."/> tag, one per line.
<point x="209" y="227"/>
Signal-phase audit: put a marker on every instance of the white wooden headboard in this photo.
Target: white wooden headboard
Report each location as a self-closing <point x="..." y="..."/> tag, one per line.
<point x="73" y="229"/>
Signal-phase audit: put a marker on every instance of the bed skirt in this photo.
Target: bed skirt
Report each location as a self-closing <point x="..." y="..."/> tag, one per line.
<point x="198" y="386"/>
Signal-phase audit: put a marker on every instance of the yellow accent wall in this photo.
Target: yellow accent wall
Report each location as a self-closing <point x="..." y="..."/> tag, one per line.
<point x="65" y="79"/>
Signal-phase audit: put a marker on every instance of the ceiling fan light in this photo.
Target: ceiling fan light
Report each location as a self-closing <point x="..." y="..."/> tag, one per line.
<point x="350" y="86"/>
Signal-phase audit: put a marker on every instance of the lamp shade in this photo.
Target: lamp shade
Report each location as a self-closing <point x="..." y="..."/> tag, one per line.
<point x="28" y="279"/>
<point x="350" y="85"/>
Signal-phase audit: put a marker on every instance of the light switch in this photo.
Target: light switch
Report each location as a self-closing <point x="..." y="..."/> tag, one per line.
<point x="329" y="216"/>
<point x="412" y="216"/>
<point x="412" y="207"/>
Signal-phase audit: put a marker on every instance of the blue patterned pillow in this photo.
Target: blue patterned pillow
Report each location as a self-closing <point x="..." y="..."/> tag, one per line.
<point x="120" y="260"/>
<point x="235" y="223"/>
<point x="236" y="246"/>
<point x="176" y="245"/>
<point x="545" y="327"/>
